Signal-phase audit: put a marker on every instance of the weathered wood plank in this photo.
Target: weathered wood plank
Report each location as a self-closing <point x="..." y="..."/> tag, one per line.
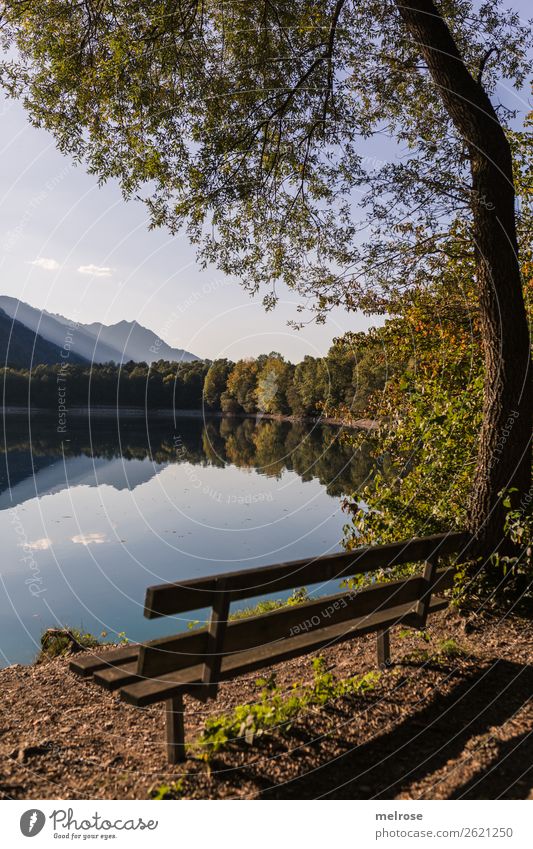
<point x="88" y="662"/>
<point x="176" y="652"/>
<point x="166" y="654"/>
<point x="437" y="603"/>
<point x="216" y="631"/>
<point x="162" y="656"/>
<point x="430" y="575"/>
<point x="150" y="691"/>
<point x="175" y="729"/>
<point x="113" y="677"/>
<point x="383" y="646"/>
<point x="168" y="599"/>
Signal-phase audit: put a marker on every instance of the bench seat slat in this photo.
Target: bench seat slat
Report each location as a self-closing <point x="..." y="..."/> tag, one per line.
<point x="168" y="599"/>
<point x="88" y="662"/>
<point x="149" y="691"/>
<point x="113" y="677"/>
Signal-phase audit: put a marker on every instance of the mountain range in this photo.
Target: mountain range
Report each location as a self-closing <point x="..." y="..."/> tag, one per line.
<point x="30" y="335"/>
<point x="25" y="475"/>
<point x="21" y="347"/>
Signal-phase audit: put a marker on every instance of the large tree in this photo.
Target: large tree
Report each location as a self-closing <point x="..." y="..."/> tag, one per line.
<point x="330" y="144"/>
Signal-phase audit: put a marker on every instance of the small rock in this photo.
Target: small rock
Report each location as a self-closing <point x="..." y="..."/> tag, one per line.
<point x="24" y="752"/>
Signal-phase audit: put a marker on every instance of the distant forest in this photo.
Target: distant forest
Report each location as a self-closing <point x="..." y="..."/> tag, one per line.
<point x="340" y="383"/>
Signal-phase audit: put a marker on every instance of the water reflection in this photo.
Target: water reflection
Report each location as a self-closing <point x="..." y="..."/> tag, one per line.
<point x="90" y="518"/>
<point x="38" y="461"/>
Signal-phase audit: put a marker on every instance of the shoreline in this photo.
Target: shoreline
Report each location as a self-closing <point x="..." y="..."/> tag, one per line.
<point x="106" y="412"/>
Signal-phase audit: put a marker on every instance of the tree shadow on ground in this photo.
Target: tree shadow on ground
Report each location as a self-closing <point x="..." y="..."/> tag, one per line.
<point x="426" y="741"/>
<point x="509" y="775"/>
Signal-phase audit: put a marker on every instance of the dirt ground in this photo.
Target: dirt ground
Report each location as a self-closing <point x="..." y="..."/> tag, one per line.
<point x="431" y="729"/>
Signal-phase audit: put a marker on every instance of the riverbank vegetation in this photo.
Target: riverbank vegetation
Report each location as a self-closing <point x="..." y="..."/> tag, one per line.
<point x="431" y="410"/>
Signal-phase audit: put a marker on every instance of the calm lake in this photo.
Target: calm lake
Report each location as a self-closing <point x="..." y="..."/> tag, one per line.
<point x="88" y="522"/>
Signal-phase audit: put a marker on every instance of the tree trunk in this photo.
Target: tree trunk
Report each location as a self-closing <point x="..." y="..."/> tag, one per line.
<point x="504" y="455"/>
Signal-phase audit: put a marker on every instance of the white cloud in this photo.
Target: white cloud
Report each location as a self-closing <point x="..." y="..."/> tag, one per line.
<point x="89" y="539"/>
<point x="46" y="263"/>
<point x="96" y="270"/>
<point x="37" y="544"/>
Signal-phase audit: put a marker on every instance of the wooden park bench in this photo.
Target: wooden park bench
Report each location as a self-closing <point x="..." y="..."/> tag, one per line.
<point x="196" y="661"/>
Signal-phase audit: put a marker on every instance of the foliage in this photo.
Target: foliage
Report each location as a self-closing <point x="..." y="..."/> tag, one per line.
<point x="430" y="462"/>
<point x="241" y="387"/>
<point x="450" y="649"/>
<point x="310" y="388"/>
<point x="298" y="596"/>
<point x="276" y="712"/>
<point x="507" y="578"/>
<point x="215" y="382"/>
<point x="273" y="381"/>
<point x="57" y="642"/>
<point x="254" y="126"/>
<point x="431" y="409"/>
<point x="425" y="636"/>
<point x="516" y="569"/>
<point x="446" y="649"/>
<point x="174" y="790"/>
<point x="161" y="384"/>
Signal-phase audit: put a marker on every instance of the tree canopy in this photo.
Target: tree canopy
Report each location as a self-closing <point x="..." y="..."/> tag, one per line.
<point x="255" y="126"/>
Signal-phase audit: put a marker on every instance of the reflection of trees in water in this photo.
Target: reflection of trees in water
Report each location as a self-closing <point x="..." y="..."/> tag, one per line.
<point x="269" y="446"/>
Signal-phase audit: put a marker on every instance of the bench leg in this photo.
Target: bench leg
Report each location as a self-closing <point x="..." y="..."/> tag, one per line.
<point x="175" y="730"/>
<point x="383" y="637"/>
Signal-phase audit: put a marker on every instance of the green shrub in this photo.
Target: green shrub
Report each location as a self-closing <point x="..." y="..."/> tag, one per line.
<point x="299" y="596"/>
<point x="57" y="642"/>
<point x="451" y="650"/>
<point x="174" y="790"/>
<point x="505" y="580"/>
<point x="277" y="712"/>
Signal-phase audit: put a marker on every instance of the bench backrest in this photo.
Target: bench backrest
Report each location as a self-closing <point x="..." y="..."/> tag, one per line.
<point x="222" y="638"/>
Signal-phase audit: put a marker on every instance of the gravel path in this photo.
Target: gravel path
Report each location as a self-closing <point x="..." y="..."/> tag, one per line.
<point x="452" y="728"/>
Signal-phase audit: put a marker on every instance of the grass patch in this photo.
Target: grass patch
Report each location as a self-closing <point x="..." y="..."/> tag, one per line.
<point x="451" y="650"/>
<point x="277" y="712"/>
<point x="174" y="790"/>
<point x="446" y="650"/>
<point x="58" y="642"/>
<point x="298" y="597"/>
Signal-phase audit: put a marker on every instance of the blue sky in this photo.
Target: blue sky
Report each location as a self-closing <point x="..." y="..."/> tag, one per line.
<point x="69" y="246"/>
